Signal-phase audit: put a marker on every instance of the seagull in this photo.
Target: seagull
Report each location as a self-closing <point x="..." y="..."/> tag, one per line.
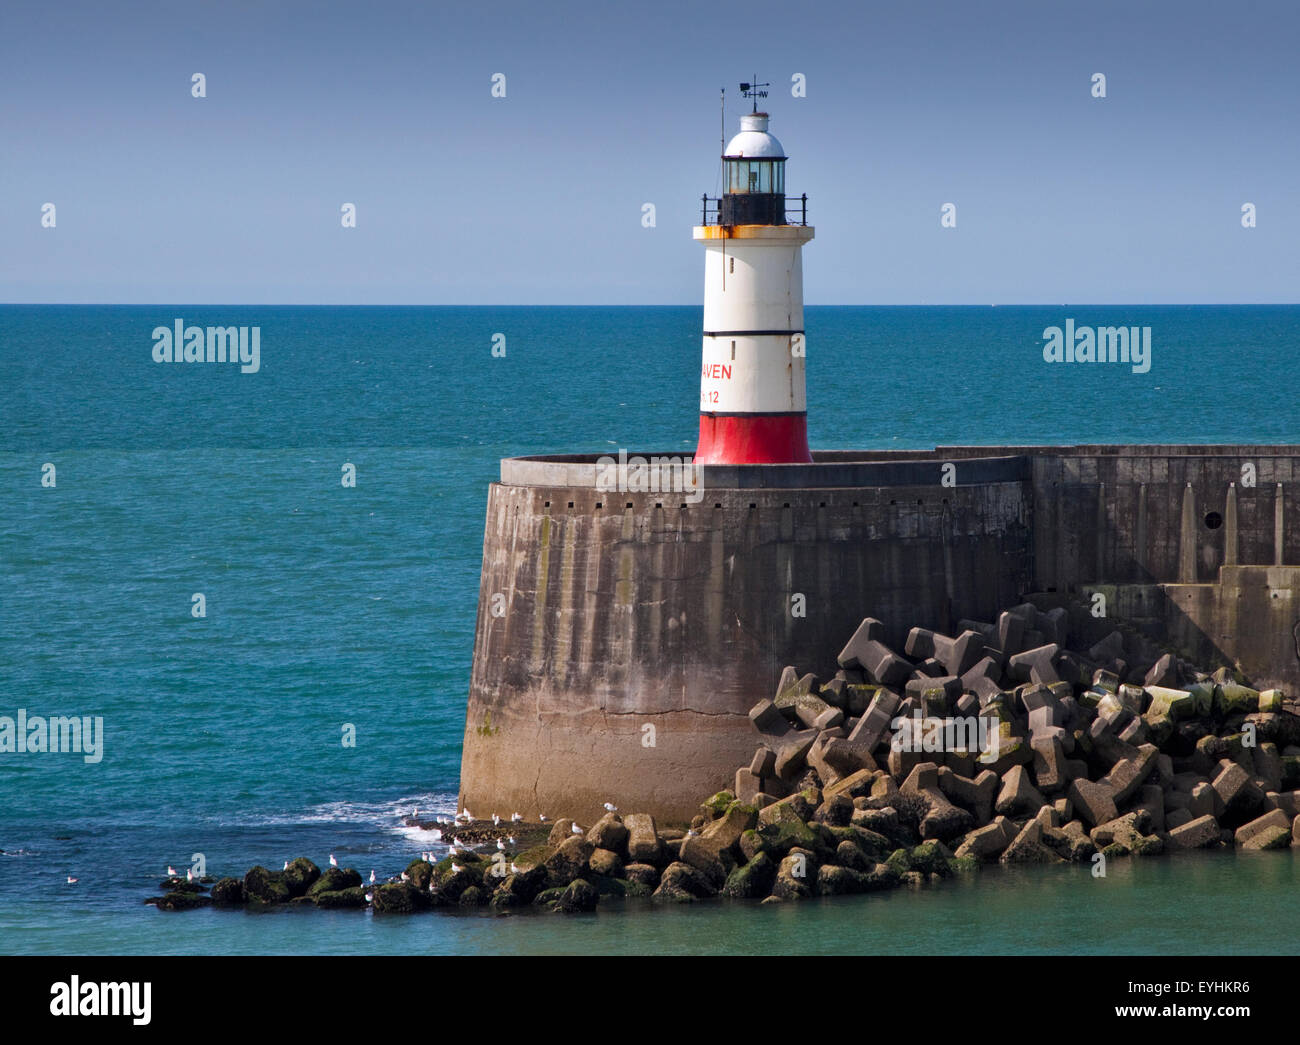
<point x="456" y="850"/>
<point x="171" y="871"/>
<point x="286" y="865"/>
<point x="511" y="840"/>
<point x="456" y="869"/>
<point x="501" y="846"/>
<point x="414" y="812"/>
<point x="513" y="868"/>
<point x="576" y="829"/>
<point x="405" y="877"/>
<point x="496" y="820"/>
<point x="692" y="833"/>
<point x="515" y="818"/>
<point x="372" y="876"/>
<point x="333" y="862"/>
<point x="460" y="841"/>
<point x="543" y="817"/>
<point x="610" y="807"/>
<point x="432" y="888"/>
<point x="71" y="880"/>
<point x="370" y="897"/>
<point x="189" y="875"/>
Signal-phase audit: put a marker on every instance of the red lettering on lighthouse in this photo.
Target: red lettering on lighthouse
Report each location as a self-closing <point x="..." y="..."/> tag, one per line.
<point x="716" y="371"/>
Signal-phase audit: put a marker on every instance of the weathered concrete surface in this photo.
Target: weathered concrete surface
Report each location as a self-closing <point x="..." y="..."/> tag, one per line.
<point x="617" y="618"/>
<point x="626" y="610"/>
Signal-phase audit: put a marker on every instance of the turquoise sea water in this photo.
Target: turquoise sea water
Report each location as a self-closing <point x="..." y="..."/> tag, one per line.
<point x="328" y="605"/>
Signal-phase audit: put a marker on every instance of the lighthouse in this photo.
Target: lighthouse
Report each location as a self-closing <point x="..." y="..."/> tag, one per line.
<point x="752" y="404"/>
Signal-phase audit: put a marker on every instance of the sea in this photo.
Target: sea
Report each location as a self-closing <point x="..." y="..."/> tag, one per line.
<point x="325" y="514"/>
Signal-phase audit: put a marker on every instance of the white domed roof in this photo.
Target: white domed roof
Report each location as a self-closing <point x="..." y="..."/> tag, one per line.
<point x="754" y="141"/>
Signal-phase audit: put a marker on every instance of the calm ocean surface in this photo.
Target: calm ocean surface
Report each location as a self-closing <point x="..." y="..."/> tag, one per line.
<point x="328" y="605"/>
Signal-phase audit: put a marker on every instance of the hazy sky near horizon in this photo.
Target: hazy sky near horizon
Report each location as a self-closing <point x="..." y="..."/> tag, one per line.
<point x="537" y="197"/>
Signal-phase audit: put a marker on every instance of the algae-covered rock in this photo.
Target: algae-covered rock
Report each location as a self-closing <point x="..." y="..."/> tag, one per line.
<point x="420" y="872"/>
<point x="642" y="874"/>
<point x="578" y="896"/>
<point x="795" y="875"/>
<point x="840" y="881"/>
<point x="300" y="876"/>
<point x="1231" y="698"/>
<point x="682" y="883"/>
<point x="335" y="879"/>
<point x="549" y="897"/>
<point x="399" y="898"/>
<point x="964" y="865"/>
<point x="570" y="860"/>
<point x="352" y="897"/>
<point x="715" y="805"/>
<point x="785" y="832"/>
<point x="932" y="857"/>
<point x="899" y="861"/>
<point x="228" y="892"/>
<point x="180" y="900"/>
<point x="474" y="896"/>
<point x="753" y="881"/>
<point x="265" y="888"/>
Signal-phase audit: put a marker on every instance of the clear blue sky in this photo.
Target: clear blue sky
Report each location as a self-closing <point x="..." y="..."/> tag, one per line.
<point x="536" y="198"/>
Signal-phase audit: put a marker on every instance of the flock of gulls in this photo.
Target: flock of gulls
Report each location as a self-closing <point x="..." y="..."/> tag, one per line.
<point x="458" y="845"/>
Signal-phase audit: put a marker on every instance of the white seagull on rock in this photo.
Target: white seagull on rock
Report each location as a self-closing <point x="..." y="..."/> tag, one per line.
<point x="333" y="862"/>
<point x="372" y="876"/>
<point x="515" y="818"/>
<point x="71" y="880"/>
<point x="576" y="829"/>
<point x="610" y="807"/>
<point x="171" y="871"/>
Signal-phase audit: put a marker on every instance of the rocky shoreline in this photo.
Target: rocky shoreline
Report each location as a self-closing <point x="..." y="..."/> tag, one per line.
<point x="1007" y="743"/>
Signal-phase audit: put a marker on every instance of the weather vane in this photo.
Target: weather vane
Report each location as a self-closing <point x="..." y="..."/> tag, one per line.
<point x="751" y="90"/>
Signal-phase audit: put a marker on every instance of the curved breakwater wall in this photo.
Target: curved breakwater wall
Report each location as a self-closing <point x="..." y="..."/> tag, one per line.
<point x="623" y="636"/>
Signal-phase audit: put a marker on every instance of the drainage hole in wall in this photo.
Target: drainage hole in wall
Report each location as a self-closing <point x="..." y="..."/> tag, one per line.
<point x="1213" y="520"/>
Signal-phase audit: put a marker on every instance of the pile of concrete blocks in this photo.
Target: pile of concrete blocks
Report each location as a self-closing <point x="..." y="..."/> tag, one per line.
<point x="1102" y="746"/>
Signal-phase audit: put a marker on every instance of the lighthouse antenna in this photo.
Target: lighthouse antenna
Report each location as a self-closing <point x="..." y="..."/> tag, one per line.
<point x="722" y="121"/>
<point x="753" y="90"/>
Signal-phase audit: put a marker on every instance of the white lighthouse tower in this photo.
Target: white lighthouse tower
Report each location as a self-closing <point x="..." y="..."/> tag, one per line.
<point x="752" y="405"/>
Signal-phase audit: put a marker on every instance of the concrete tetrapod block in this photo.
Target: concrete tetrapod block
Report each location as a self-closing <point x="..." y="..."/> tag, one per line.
<point x="1036" y="665"/>
<point x="987" y="843"/>
<point x="1094" y="802"/>
<point x="1128" y="774"/>
<point x="866" y="650"/>
<point x="1270" y="831"/>
<point x="1018" y="796"/>
<point x="875" y="721"/>
<point x="1197" y="834"/>
<point x="767" y="718"/>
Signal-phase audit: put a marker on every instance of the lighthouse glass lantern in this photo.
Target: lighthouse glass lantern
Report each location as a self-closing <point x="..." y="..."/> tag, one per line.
<point x="754" y="176"/>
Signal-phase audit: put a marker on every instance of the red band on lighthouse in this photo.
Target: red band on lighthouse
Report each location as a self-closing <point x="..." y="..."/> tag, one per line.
<point x="753" y="439"/>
